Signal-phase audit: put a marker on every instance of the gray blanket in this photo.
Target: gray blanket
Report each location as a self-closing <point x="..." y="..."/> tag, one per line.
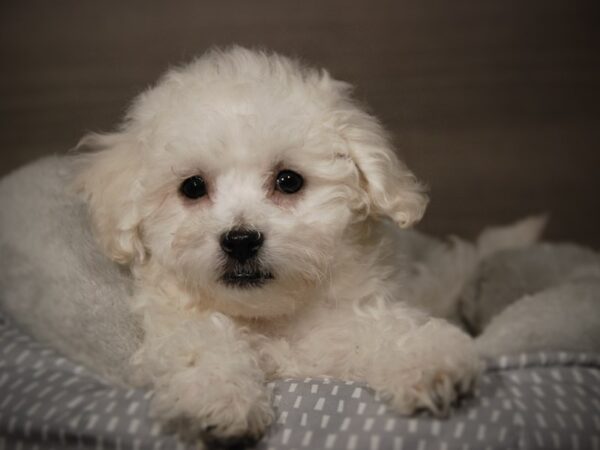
<point x="529" y="401"/>
<point x="547" y="400"/>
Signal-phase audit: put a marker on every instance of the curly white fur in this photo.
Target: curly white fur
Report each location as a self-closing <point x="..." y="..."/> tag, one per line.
<point x="337" y="303"/>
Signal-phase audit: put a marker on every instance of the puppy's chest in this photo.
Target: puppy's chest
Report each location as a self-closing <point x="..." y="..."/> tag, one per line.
<point x="294" y="328"/>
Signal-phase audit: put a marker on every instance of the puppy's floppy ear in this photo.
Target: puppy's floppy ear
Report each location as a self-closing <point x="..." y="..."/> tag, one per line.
<point x="391" y="188"/>
<point x="109" y="179"/>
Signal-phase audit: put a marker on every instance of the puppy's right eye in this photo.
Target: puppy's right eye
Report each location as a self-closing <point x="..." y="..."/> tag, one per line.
<point x="193" y="187"/>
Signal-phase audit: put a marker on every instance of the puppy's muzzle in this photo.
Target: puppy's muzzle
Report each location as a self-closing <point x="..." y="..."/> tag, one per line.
<point x="241" y="244"/>
<point x="243" y="268"/>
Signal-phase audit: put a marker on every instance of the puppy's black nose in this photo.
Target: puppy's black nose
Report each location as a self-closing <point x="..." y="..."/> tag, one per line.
<point x="241" y="244"/>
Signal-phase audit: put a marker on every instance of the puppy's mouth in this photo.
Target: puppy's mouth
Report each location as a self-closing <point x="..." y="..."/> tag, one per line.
<point x="246" y="277"/>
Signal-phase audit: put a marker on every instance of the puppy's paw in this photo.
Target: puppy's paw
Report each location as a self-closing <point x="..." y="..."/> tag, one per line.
<point x="223" y="414"/>
<point x="441" y="367"/>
<point x="192" y="431"/>
<point x="437" y="392"/>
<point x="434" y="389"/>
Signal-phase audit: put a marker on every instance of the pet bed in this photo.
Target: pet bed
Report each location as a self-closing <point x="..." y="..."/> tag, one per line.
<point x="526" y="401"/>
<point x="530" y="400"/>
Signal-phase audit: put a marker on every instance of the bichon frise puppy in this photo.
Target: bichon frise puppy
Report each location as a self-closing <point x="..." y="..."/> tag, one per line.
<point x="247" y="193"/>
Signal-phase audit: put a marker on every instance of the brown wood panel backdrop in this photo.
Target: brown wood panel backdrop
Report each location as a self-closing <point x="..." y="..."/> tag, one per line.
<point x="496" y="104"/>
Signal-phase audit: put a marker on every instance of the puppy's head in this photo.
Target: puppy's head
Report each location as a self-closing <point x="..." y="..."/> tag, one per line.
<point x="241" y="176"/>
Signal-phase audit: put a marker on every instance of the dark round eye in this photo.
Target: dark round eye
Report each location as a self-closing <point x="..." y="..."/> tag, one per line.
<point x="193" y="187"/>
<point x="289" y="182"/>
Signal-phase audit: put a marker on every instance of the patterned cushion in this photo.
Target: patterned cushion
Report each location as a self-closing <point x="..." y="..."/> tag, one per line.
<point x="536" y="401"/>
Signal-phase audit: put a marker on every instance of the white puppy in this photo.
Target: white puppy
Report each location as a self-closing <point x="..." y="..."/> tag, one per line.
<point x="247" y="193"/>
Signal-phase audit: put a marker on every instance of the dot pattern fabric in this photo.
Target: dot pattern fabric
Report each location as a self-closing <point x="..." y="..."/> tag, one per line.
<point x="536" y="401"/>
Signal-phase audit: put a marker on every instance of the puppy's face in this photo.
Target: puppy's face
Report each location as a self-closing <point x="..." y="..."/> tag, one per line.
<point x="246" y="204"/>
<point x="241" y="176"/>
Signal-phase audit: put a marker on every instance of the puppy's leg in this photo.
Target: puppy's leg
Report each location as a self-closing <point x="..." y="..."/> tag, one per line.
<point x="414" y="361"/>
<point x="205" y="376"/>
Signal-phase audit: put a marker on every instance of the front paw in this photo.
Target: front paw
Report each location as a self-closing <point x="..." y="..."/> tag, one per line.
<point x="436" y="392"/>
<point x="193" y="430"/>
<point x="222" y="413"/>
<point x="440" y="368"/>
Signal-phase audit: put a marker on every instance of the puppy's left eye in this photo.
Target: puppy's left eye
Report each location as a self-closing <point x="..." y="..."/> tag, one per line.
<point x="289" y="182"/>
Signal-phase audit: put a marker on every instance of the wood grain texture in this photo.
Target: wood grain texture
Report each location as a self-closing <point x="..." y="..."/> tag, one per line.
<point x="495" y="104"/>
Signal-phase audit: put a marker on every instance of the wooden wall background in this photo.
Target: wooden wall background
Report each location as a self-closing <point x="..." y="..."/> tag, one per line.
<point x="495" y="104"/>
